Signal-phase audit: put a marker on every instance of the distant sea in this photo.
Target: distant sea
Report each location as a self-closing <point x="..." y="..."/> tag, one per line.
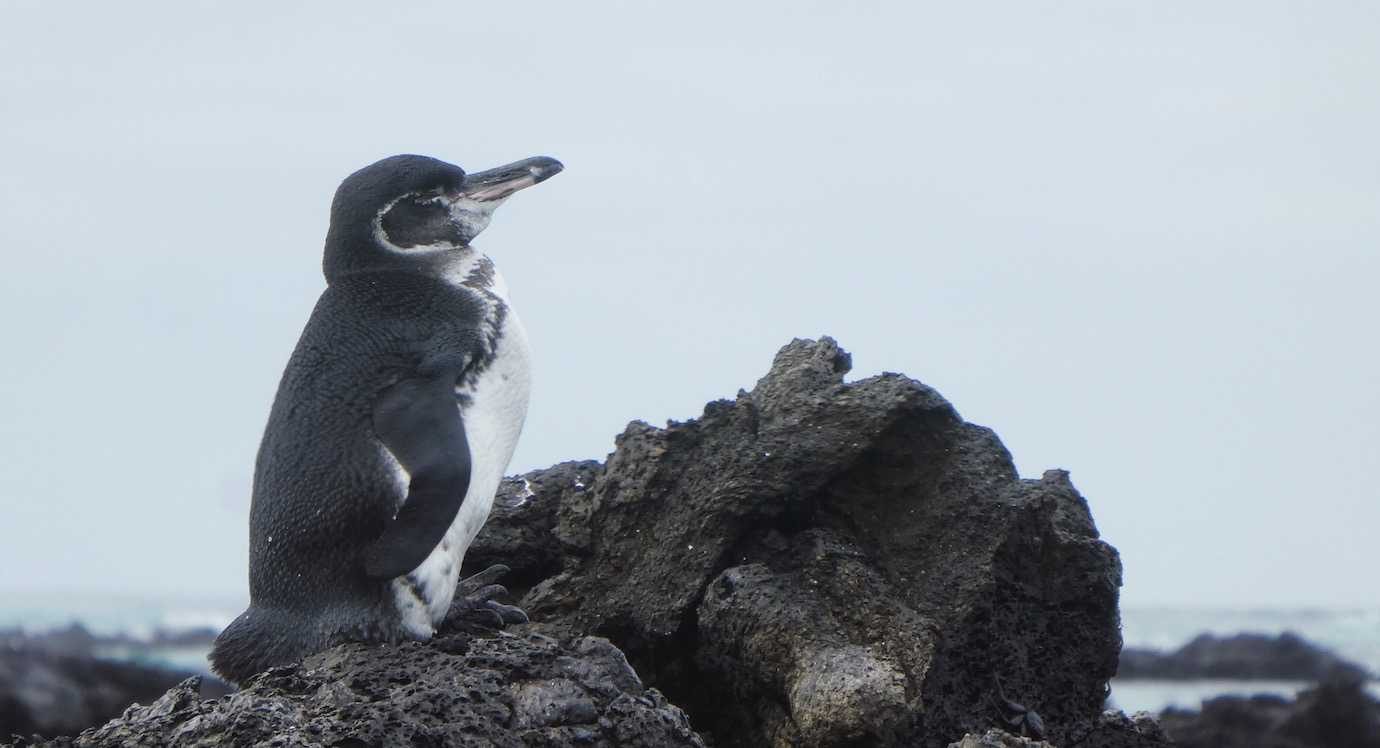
<point x="111" y="615"/>
<point x="1353" y="634"/>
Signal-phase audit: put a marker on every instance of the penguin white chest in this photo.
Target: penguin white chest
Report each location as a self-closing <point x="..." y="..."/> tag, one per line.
<point x="492" y="406"/>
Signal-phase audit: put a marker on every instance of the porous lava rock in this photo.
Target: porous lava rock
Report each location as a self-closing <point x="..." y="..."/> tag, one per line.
<point x="503" y="689"/>
<point x="821" y="562"/>
<point x="995" y="738"/>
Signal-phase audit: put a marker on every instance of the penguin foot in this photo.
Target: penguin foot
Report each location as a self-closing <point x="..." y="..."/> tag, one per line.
<point x="475" y="601"/>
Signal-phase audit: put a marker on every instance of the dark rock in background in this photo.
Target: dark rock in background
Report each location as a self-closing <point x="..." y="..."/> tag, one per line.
<point x="190" y="637"/>
<point x="42" y="691"/>
<point x="73" y="640"/>
<point x="821" y="563"/>
<point x="1242" y="656"/>
<point x="1335" y="713"/>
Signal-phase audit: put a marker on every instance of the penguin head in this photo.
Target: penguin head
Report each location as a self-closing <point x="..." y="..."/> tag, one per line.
<point x="405" y="209"/>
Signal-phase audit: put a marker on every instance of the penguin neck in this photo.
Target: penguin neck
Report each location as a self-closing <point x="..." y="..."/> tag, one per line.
<point x="457" y="265"/>
<point x="471" y="269"/>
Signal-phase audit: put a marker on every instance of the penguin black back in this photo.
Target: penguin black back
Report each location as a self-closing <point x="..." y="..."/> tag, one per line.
<point x="323" y="489"/>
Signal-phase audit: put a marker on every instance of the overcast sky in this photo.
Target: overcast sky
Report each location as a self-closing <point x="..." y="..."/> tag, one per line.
<point x="1140" y="240"/>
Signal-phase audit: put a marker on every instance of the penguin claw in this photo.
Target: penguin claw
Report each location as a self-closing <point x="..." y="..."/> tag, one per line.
<point x="475" y="603"/>
<point x="483" y="616"/>
<point x="489" y="613"/>
<point x="487" y="577"/>
<point x="511" y="614"/>
<point x="488" y="592"/>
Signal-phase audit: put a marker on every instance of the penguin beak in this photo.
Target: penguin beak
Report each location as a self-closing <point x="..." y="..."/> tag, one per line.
<point x="495" y="185"/>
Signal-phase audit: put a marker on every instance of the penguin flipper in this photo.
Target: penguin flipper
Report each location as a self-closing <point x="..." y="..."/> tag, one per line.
<point x="417" y="420"/>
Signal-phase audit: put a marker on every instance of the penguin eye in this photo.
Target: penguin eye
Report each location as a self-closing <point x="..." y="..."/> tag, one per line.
<point x="420" y="219"/>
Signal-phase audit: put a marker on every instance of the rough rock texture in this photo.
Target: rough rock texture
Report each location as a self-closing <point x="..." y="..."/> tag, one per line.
<point x="1242" y="656"/>
<point x="521" y="531"/>
<point x="998" y="739"/>
<point x="821" y="563"/>
<point x="461" y="690"/>
<point x="1333" y="714"/>
<point x="1118" y="730"/>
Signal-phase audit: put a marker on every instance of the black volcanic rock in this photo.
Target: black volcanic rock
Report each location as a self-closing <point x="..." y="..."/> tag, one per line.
<point x="995" y="738"/>
<point x="1244" y="656"/>
<point x="828" y="563"/>
<point x="522" y="530"/>
<point x="1118" y="730"/>
<point x="460" y="690"/>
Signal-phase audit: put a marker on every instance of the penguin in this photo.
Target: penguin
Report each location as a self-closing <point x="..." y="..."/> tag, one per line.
<point x="393" y="423"/>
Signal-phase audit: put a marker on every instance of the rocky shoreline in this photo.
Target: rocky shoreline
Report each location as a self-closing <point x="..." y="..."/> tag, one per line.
<point x="58" y="682"/>
<point x="67" y="688"/>
<point x="815" y="562"/>
<point x="1336" y="710"/>
<point x="1244" y="656"/>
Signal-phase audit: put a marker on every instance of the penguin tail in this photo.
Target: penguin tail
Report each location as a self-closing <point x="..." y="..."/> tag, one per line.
<point x="261" y="638"/>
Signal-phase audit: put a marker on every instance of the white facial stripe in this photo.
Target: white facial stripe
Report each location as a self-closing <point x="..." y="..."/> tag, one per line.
<point x="472" y="216"/>
<point x="381" y="236"/>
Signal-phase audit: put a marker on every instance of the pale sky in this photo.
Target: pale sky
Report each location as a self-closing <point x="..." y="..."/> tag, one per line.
<point x="1140" y="240"/>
